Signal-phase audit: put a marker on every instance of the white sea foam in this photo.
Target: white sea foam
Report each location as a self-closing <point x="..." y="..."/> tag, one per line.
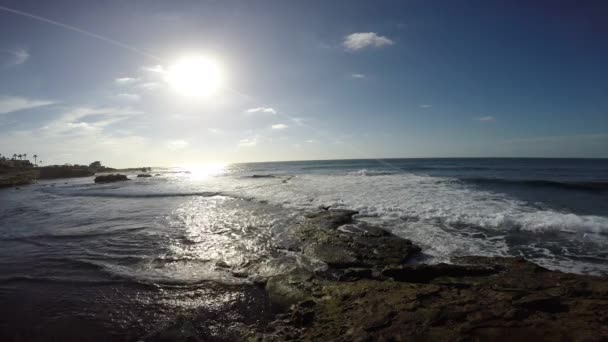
<point x="443" y="215"/>
<point x="414" y="197"/>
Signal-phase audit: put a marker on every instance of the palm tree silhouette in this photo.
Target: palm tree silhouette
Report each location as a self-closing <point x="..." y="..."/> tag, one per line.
<point x="25" y="156"/>
<point x="14" y="156"/>
<point x="35" y="162"/>
<point x="20" y="156"/>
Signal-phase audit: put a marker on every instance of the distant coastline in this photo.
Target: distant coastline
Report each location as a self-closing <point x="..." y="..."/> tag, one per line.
<point x="18" y="172"/>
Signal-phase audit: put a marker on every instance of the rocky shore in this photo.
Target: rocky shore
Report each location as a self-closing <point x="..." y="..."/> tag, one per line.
<point x="370" y="292"/>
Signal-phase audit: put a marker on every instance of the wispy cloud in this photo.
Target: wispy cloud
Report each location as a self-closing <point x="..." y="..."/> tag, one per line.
<point x="299" y="121"/>
<point x="360" y="40"/>
<point x="85" y="121"/>
<point x="155" y="68"/>
<point x="425" y="106"/>
<point x="311" y="141"/>
<point x="486" y="119"/>
<point x="150" y="85"/>
<point x="179" y="144"/>
<point x="279" y="126"/>
<point x="16" y="57"/>
<point x="125" y="80"/>
<point x="268" y="110"/>
<point x="357" y="76"/>
<point x="9" y="104"/>
<point x="128" y="97"/>
<point x="215" y="130"/>
<point x="248" y="142"/>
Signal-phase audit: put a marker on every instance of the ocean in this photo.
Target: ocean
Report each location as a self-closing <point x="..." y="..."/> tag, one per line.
<point x="129" y="260"/>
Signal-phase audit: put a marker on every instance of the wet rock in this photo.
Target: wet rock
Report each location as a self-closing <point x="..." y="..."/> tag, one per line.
<point x="262" y="176"/>
<point x="287" y="289"/>
<point x="363" y="229"/>
<point x="144" y="175"/>
<point x="425" y="273"/>
<point x="111" y="178"/>
<point x="541" y="302"/>
<point x="368" y="292"/>
<point x="354" y="274"/>
<point x="333" y="255"/>
<point x="331" y="219"/>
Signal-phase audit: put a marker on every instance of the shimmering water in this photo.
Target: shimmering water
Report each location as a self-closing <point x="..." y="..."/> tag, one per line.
<point x="132" y="260"/>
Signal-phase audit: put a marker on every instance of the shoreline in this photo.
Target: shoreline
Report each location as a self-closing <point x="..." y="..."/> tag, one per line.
<point x="370" y="291"/>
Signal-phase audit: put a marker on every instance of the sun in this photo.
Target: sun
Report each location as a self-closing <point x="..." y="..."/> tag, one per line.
<point x="195" y="76"/>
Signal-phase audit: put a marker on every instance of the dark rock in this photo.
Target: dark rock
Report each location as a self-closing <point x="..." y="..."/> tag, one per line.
<point x="368" y="293"/>
<point x="333" y="255"/>
<point x="332" y="218"/>
<point x="540" y="302"/>
<point x="287" y="289"/>
<point x="144" y="175"/>
<point x="426" y="273"/>
<point x="364" y="229"/>
<point x="506" y="299"/>
<point x="354" y="274"/>
<point x="111" y="178"/>
<point x="64" y="171"/>
<point x="262" y="176"/>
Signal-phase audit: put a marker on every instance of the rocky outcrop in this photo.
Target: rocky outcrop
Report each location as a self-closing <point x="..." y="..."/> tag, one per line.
<point x="111" y="178"/>
<point x="369" y="292"/>
<point x="54" y="172"/>
<point x="17" y="179"/>
<point x="144" y="175"/>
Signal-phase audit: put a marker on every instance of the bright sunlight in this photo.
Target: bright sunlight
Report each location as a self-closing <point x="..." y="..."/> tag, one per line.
<point x="195" y="76"/>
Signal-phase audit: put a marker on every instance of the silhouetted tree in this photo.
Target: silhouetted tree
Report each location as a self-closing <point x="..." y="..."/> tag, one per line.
<point x="20" y="156"/>
<point x="35" y="161"/>
<point x="95" y="165"/>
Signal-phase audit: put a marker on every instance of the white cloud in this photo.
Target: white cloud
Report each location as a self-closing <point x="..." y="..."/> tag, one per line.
<point x="279" y="126"/>
<point x="128" y="97"/>
<point x="311" y="141"/>
<point x="9" y="104"/>
<point x="214" y="130"/>
<point x="299" y="121"/>
<point x="357" y="76"/>
<point x="486" y="119"/>
<point x="125" y="80"/>
<point x="150" y="85"/>
<point x="177" y="144"/>
<point x="248" y="142"/>
<point x="268" y="110"/>
<point x="16" y="57"/>
<point x="425" y="106"/>
<point x="155" y="68"/>
<point x="361" y="40"/>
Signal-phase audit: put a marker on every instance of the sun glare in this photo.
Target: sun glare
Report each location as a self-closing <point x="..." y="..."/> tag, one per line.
<point x="195" y="76"/>
<point x="198" y="172"/>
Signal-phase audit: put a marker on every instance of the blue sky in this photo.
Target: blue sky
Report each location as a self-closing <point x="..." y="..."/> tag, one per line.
<point x="304" y="80"/>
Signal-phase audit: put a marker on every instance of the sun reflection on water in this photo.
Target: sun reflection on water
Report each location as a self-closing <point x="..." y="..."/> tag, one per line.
<point x="203" y="171"/>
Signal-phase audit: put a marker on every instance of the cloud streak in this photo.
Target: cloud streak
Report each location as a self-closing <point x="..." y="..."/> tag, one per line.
<point x="10" y="104"/>
<point x="486" y="119"/>
<point x="279" y="126"/>
<point x="128" y="97"/>
<point x="267" y="110"/>
<point x="125" y="80"/>
<point x="248" y="142"/>
<point x="361" y="40"/>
